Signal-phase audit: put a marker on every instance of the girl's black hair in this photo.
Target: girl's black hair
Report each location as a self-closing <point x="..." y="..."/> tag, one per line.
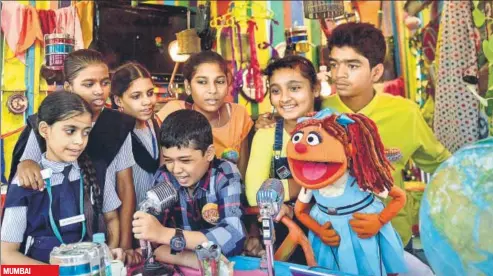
<point x="124" y="76"/>
<point x="302" y="64"/>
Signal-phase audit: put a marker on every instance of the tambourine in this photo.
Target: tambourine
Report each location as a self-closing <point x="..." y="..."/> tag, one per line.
<point x="17" y="103"/>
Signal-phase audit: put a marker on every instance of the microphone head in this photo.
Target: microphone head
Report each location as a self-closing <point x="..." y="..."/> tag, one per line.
<point x="162" y="196"/>
<point x="271" y="194"/>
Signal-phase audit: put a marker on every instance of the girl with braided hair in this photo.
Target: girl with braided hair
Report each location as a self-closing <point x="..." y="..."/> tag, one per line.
<point x="339" y="161"/>
<point x="36" y="221"/>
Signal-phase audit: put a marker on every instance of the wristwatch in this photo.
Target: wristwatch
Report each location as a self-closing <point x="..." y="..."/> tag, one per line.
<point x="177" y="242"/>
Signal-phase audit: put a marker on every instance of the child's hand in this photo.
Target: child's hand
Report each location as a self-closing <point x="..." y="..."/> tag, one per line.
<point x="133" y="257"/>
<point x="328" y="235"/>
<point x="365" y="225"/>
<point x="29" y="175"/>
<point x="253" y="246"/>
<point x="146" y="227"/>
<point x="265" y="121"/>
<point x="118" y="254"/>
<point x="286" y="210"/>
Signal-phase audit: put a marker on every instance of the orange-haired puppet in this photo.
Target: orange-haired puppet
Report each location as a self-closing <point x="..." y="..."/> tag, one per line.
<point x="340" y="160"/>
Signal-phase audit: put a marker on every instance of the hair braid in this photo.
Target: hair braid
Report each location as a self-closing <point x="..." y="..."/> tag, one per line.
<point x="91" y="184"/>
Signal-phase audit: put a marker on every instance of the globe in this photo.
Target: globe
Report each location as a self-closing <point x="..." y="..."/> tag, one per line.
<point x="456" y="214"/>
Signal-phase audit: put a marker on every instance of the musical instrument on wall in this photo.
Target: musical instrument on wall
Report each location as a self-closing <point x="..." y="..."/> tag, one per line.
<point x="57" y="48"/>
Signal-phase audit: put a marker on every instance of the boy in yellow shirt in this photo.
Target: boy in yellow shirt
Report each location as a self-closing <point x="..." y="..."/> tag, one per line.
<point x="357" y="52"/>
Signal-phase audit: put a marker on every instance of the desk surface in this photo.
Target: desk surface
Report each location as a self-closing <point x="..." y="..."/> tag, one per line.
<point x="249" y="266"/>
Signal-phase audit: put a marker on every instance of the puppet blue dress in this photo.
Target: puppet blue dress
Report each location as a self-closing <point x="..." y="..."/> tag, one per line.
<point x="339" y="161"/>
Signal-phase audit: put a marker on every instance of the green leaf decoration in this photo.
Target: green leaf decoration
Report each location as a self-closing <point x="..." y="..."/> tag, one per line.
<point x="490" y="43"/>
<point x="488" y="52"/>
<point x="476" y="3"/>
<point x="478" y="17"/>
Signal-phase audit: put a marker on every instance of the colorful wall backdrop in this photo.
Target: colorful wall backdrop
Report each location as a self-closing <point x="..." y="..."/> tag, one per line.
<point x="18" y="77"/>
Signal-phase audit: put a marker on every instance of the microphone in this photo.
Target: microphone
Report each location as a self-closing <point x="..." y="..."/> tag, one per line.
<point x="270" y="198"/>
<point x="161" y="197"/>
<point x="158" y="199"/>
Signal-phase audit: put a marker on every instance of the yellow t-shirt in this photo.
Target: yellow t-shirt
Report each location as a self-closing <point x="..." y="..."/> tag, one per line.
<point x="230" y="135"/>
<point x="259" y="163"/>
<point x="403" y="129"/>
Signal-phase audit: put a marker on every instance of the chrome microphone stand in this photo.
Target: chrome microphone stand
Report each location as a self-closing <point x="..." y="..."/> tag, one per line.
<point x="266" y="213"/>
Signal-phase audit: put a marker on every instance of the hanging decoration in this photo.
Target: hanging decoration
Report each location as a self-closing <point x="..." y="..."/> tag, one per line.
<point x="253" y="83"/>
<point x="17" y="103"/>
<point x="57" y="48"/>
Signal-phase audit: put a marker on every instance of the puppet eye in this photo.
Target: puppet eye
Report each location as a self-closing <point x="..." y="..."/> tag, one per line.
<point x="297" y="137"/>
<point x="313" y="139"/>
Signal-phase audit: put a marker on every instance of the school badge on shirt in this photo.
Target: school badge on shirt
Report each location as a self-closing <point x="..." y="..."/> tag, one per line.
<point x="210" y="213"/>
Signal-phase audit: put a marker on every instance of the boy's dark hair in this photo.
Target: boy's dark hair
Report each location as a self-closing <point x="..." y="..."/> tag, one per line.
<point x="302" y="64"/>
<point x="186" y="128"/>
<point x="364" y="38"/>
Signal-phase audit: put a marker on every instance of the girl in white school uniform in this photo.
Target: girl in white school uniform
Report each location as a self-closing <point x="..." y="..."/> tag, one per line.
<point x="132" y="93"/>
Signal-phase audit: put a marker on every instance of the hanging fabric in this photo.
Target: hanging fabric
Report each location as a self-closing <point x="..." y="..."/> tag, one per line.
<point x="456" y="109"/>
<point x="68" y="22"/>
<point x="47" y="19"/>
<point x="85" y="11"/>
<point x="21" y="27"/>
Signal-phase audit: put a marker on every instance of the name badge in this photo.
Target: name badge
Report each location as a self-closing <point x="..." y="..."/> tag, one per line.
<point x="72" y="220"/>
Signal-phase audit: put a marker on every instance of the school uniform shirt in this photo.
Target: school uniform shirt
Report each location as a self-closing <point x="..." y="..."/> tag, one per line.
<point x="143" y="180"/>
<point x="228" y="136"/>
<point x="260" y="162"/>
<point x="123" y="160"/>
<point x="218" y="192"/>
<point x="26" y="212"/>
<point x="405" y="133"/>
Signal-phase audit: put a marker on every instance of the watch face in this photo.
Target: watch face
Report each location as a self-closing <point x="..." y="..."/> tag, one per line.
<point x="178" y="243"/>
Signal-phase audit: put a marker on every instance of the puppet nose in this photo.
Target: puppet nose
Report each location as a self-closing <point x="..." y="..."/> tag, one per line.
<point x="300" y="148"/>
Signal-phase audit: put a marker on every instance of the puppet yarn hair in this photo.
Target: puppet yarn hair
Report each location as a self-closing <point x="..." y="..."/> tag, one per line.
<point x="369" y="166"/>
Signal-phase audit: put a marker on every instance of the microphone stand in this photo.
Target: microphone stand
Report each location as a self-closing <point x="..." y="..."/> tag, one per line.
<point x="268" y="236"/>
<point x="151" y="267"/>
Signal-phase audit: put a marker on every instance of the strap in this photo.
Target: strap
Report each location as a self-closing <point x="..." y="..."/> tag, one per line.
<point x="335" y="211"/>
<point x="81" y="205"/>
<point x="154" y="142"/>
<point x="142" y="156"/>
<point x="278" y="137"/>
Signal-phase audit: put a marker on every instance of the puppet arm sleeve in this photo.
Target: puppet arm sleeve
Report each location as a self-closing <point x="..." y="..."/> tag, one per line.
<point x="394" y="206"/>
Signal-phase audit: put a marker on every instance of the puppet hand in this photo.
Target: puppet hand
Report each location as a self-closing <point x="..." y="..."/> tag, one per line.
<point x="146" y="227"/>
<point x="265" y="121"/>
<point x="328" y="235"/>
<point x="366" y="225"/>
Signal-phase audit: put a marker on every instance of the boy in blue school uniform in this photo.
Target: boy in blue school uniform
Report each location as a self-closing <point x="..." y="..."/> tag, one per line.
<point x="209" y="190"/>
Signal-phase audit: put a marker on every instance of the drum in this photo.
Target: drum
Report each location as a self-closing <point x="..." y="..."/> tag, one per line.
<point x="57" y="47"/>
